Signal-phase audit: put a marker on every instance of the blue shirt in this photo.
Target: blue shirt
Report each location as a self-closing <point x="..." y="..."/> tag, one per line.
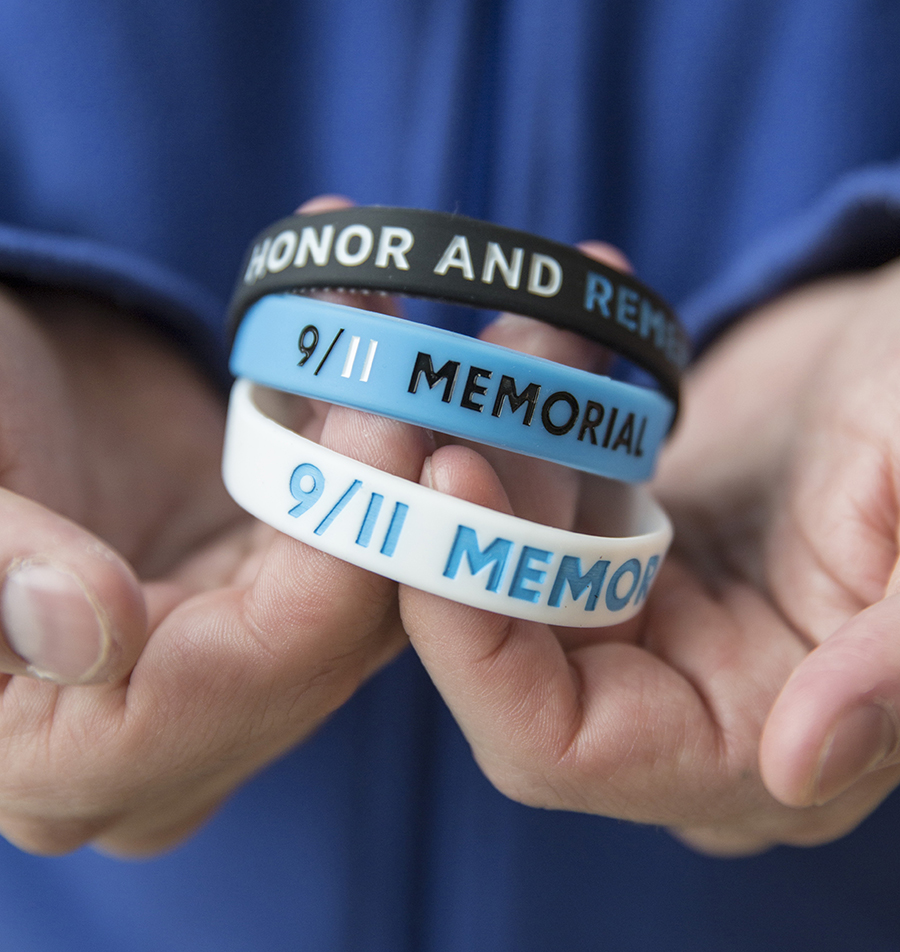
<point x="730" y="149"/>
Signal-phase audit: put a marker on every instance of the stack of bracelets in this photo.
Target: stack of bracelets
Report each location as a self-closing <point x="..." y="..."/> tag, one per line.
<point x="459" y="386"/>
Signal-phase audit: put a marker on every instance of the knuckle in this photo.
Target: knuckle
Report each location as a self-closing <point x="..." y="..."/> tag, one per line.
<point x="535" y="782"/>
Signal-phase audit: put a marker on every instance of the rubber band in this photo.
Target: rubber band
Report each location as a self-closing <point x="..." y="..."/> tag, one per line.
<point x="453" y="384"/>
<point x="463" y="260"/>
<point x="438" y="543"/>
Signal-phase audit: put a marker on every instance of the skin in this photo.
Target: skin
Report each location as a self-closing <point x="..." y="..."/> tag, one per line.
<point x="744" y="707"/>
<point x="754" y="701"/>
<point x="226" y="643"/>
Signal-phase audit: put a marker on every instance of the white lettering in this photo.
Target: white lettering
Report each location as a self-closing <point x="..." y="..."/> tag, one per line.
<point x="282" y="250"/>
<point x="312" y="244"/>
<point x="494" y="258"/>
<point x="342" y="247"/>
<point x="542" y="265"/>
<point x="394" y="243"/>
<point x="457" y="255"/>
<point x="257" y="266"/>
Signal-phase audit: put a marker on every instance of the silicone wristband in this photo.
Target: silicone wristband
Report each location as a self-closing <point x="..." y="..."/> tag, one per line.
<point x="453" y="258"/>
<point x="438" y="543"/>
<point x="452" y="383"/>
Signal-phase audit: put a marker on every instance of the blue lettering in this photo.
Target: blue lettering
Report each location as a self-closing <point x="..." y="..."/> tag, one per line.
<point x="649" y="574"/>
<point x="598" y="293"/>
<point x="466" y="543"/>
<point x="368" y="526"/>
<point x="653" y="322"/>
<point x="335" y="510"/>
<point x="307" y="484"/>
<point x="570" y="573"/>
<point x="392" y="535"/>
<point x="614" y="601"/>
<point x="626" y="308"/>
<point x="525" y="573"/>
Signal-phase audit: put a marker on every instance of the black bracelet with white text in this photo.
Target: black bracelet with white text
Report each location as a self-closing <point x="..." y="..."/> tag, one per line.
<point x="465" y="261"/>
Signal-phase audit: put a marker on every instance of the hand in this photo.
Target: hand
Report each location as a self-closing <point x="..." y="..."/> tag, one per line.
<point x="160" y="647"/>
<point x="755" y="700"/>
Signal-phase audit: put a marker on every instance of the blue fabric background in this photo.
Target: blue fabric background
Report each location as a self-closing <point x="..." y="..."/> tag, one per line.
<point x="731" y="149"/>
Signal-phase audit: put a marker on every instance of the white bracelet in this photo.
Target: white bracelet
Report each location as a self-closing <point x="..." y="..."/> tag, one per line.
<point x="438" y="543"/>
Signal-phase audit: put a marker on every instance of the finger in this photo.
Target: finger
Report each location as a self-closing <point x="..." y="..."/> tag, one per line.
<point x="307" y="606"/>
<point x="229" y="679"/>
<point x="547" y="727"/>
<point x="834" y="542"/>
<point x="837" y="719"/>
<point x="71" y="610"/>
<point x="538" y="490"/>
<point x="662" y="732"/>
<point x="243" y="674"/>
<point x="324" y="203"/>
<point x="607" y="253"/>
<point x="530" y="336"/>
<point x="493" y="671"/>
<point x="381" y="303"/>
<point x="833" y="546"/>
<point x="346" y="600"/>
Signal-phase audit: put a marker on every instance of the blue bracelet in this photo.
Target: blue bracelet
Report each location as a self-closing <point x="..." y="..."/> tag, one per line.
<point x="453" y="384"/>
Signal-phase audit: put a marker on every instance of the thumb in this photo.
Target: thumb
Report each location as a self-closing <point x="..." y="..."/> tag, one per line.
<point x="71" y="611"/>
<point x="838" y="717"/>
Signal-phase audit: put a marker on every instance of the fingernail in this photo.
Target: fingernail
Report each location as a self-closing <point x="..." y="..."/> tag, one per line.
<point x="426" y="477"/>
<point x="860" y="742"/>
<point x="50" y="621"/>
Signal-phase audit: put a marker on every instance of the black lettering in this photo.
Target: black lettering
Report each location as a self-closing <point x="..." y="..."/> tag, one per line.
<point x="472" y="386"/>
<point x="609" y="426"/>
<point x="593" y="417"/>
<point x="626" y="434"/>
<point x="551" y="401"/>
<point x="507" y="391"/>
<point x="447" y="373"/>
<point x="638" y="448"/>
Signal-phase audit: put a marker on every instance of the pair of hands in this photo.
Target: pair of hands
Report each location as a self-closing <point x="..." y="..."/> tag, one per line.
<point x="161" y="647"/>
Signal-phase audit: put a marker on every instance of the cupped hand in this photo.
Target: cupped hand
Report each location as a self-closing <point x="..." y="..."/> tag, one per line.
<point x="755" y="700"/>
<point x="158" y="646"/>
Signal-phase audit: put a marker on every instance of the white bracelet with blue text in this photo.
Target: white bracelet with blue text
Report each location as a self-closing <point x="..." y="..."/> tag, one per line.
<point x="441" y="544"/>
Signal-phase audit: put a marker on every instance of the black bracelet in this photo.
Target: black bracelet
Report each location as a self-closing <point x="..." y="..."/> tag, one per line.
<point x="462" y="260"/>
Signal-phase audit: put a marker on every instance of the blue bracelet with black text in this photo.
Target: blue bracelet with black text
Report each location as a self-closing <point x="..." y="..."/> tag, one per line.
<point x="452" y="384"/>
